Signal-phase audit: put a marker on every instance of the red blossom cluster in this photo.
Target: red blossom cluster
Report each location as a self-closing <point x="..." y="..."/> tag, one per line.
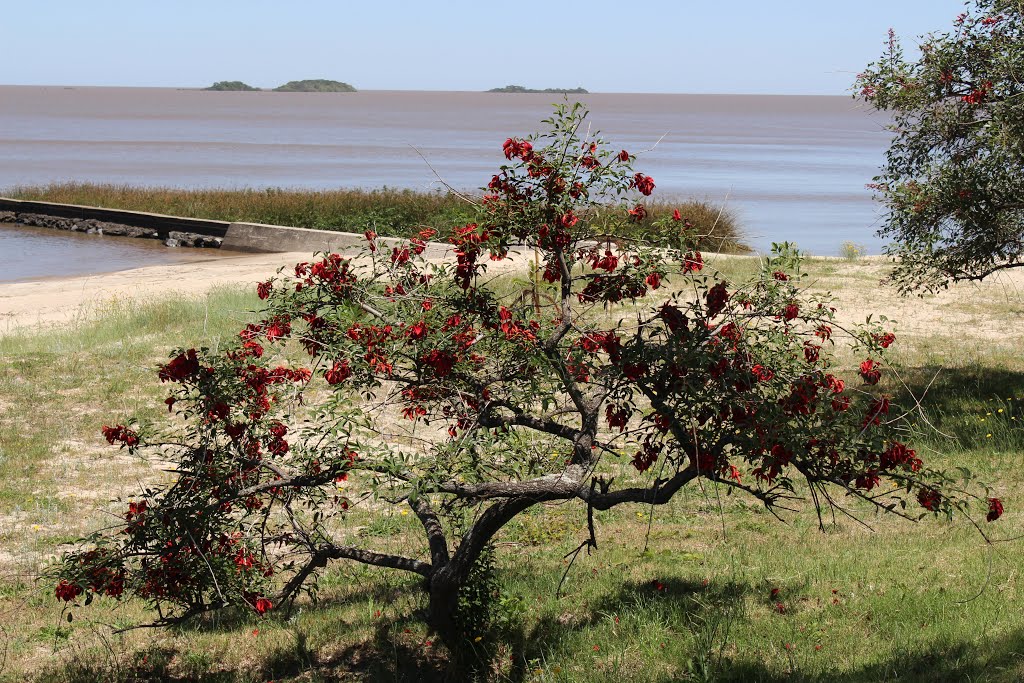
<point x="467" y="241"/>
<point x="716" y="297"/>
<point x="516" y="148"/>
<point x="643" y="183"/>
<point x="67" y="591"/>
<point x="978" y="94"/>
<point x="338" y="372"/>
<point x="637" y="213"/>
<point x="884" y="339"/>
<point x="181" y="367"/>
<point x="870" y="371"/>
<point x="995" y="509"/>
<point x="120" y="434"/>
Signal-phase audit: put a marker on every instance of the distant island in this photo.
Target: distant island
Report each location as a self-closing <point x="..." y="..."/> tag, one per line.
<point x="315" y="85"/>
<point x="233" y="86"/>
<point x="558" y="91"/>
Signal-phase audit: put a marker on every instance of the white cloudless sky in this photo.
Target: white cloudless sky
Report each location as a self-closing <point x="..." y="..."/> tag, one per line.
<point x="742" y="46"/>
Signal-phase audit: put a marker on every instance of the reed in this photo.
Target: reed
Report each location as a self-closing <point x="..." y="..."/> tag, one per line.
<point x="388" y="211"/>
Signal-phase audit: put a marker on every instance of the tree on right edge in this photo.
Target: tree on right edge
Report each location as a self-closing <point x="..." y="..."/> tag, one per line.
<point x="954" y="175"/>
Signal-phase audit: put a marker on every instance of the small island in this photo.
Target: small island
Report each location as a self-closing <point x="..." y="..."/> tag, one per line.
<point x="232" y="86"/>
<point x="315" y="85"/>
<point x="557" y="91"/>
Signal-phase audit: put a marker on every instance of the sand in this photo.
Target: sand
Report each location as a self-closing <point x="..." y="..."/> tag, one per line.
<point x="971" y="312"/>
<point x="64" y="300"/>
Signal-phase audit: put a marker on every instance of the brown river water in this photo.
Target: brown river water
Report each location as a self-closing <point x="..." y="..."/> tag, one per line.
<point x="30" y="253"/>
<point x="792" y="167"/>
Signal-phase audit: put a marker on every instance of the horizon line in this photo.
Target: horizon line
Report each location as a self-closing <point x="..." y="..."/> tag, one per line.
<point x="68" y="86"/>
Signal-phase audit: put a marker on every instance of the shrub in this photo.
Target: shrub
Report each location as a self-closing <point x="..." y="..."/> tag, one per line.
<point x="427" y="390"/>
<point x="851" y="251"/>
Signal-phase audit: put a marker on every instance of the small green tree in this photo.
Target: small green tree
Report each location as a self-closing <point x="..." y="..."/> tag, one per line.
<point x="954" y="175"/>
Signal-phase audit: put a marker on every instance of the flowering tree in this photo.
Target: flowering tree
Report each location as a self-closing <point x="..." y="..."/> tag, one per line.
<point x="954" y="177"/>
<point x="426" y="388"/>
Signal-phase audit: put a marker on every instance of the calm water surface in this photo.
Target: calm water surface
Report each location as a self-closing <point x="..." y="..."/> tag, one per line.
<point x="793" y="167"/>
<point x="27" y="253"/>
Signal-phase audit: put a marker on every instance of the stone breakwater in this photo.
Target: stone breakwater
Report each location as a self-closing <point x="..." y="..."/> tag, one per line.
<point x="92" y="226"/>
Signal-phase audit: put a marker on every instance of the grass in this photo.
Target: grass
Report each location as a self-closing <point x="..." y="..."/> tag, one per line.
<point x="689" y="598"/>
<point x="389" y="211"/>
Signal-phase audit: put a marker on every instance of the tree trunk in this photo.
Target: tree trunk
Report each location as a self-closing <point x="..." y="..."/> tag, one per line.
<point x="443" y="605"/>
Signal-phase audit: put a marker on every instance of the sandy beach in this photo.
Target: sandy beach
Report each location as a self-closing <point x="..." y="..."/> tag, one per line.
<point x="972" y="310"/>
<point x="63" y="300"/>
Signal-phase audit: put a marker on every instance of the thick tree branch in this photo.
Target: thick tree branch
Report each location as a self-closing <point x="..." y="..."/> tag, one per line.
<point x="345" y="552"/>
<point x="659" y="493"/>
<point x="435" y="532"/>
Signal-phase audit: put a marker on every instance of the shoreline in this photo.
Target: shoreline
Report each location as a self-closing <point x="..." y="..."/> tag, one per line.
<point x="60" y="300"/>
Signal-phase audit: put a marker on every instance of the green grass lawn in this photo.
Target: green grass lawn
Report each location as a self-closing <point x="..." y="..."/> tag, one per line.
<point x="711" y="588"/>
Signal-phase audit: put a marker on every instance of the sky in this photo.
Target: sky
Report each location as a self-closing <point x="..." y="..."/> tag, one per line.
<point x="741" y="46"/>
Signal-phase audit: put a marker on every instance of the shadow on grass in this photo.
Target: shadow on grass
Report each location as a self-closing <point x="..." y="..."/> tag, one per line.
<point x="950" y="388"/>
<point x="973" y="404"/>
<point x="706" y="609"/>
<point x="387" y="656"/>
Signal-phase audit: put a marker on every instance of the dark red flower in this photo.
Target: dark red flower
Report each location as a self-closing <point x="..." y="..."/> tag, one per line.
<point x="868" y="480"/>
<point x="644" y="183"/>
<point x="136" y="510"/>
<point x="634" y="371"/>
<point x="623" y="156"/>
<point x="440" y="362"/>
<point x="181" y="367"/>
<point x="400" y="256"/>
<point x="930" y="499"/>
<point x="637" y="213"/>
<point x="995" y="509"/>
<point x="617" y="416"/>
<point x="716" y="298"/>
<point x="609" y="262"/>
<point x="673" y="317"/>
<point x="263" y="289"/>
<point x="884" y="340"/>
<point x="67" y="591"/>
<point x="514" y="147"/>
<point x="338" y="373"/>
<point x="417" y="331"/>
<point x="898" y="455"/>
<point x="869" y="370"/>
<point x="120" y="433"/>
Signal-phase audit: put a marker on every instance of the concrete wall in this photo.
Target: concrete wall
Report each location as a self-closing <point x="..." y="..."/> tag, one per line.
<point x="163" y="225"/>
<point x="257" y="237"/>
